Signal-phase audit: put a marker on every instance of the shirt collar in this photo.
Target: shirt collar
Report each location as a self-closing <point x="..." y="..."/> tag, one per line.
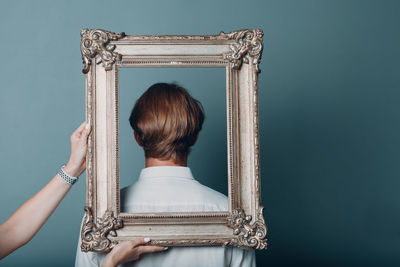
<point x="166" y="171"/>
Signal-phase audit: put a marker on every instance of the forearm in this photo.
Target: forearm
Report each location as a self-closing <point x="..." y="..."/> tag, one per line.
<point x="29" y="218"/>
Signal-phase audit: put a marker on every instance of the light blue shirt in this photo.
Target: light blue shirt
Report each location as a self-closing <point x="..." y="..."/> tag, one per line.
<point x="173" y="189"/>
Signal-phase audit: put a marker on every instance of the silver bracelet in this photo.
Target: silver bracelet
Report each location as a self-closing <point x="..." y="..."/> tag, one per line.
<point x="66" y="177"/>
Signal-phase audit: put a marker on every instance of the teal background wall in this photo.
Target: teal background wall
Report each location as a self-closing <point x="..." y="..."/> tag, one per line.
<point x="329" y="117"/>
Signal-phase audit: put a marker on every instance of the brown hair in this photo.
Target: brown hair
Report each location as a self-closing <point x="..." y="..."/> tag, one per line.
<point x="167" y="120"/>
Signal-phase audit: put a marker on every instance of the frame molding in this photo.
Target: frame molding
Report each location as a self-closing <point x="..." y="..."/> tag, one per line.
<point x="239" y="52"/>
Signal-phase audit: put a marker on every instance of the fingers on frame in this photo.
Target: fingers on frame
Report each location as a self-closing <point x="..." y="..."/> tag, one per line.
<point x="149" y="249"/>
<point x="80" y="129"/>
<point x="87" y="131"/>
<point x="138" y="241"/>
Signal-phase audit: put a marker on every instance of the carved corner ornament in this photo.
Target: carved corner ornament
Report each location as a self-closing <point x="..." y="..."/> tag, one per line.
<point x="94" y="236"/>
<point x="96" y="44"/>
<point x="248" y="46"/>
<point x="248" y="235"/>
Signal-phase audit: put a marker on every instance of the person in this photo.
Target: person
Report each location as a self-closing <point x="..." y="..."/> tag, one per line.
<point x="26" y="221"/>
<point x="166" y="122"/>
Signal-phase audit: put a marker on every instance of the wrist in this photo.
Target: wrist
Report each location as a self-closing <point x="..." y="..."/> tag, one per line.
<point x="72" y="169"/>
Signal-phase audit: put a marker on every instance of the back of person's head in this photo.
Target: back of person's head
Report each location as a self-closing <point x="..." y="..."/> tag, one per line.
<point x="167" y="121"/>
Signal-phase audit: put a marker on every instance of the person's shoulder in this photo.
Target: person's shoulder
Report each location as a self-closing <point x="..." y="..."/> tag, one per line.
<point x="209" y="195"/>
<point x="129" y="189"/>
<point x="131" y="194"/>
<point x="125" y="190"/>
<point x="213" y="193"/>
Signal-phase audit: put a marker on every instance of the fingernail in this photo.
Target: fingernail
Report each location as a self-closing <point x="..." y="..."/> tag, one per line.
<point x="87" y="126"/>
<point x="147" y="240"/>
<point x="165" y="248"/>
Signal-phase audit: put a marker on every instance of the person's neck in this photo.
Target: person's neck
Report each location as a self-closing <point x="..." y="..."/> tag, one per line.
<point x="152" y="162"/>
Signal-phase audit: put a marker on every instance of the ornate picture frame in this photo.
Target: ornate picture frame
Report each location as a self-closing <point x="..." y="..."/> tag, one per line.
<point x="239" y="52"/>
